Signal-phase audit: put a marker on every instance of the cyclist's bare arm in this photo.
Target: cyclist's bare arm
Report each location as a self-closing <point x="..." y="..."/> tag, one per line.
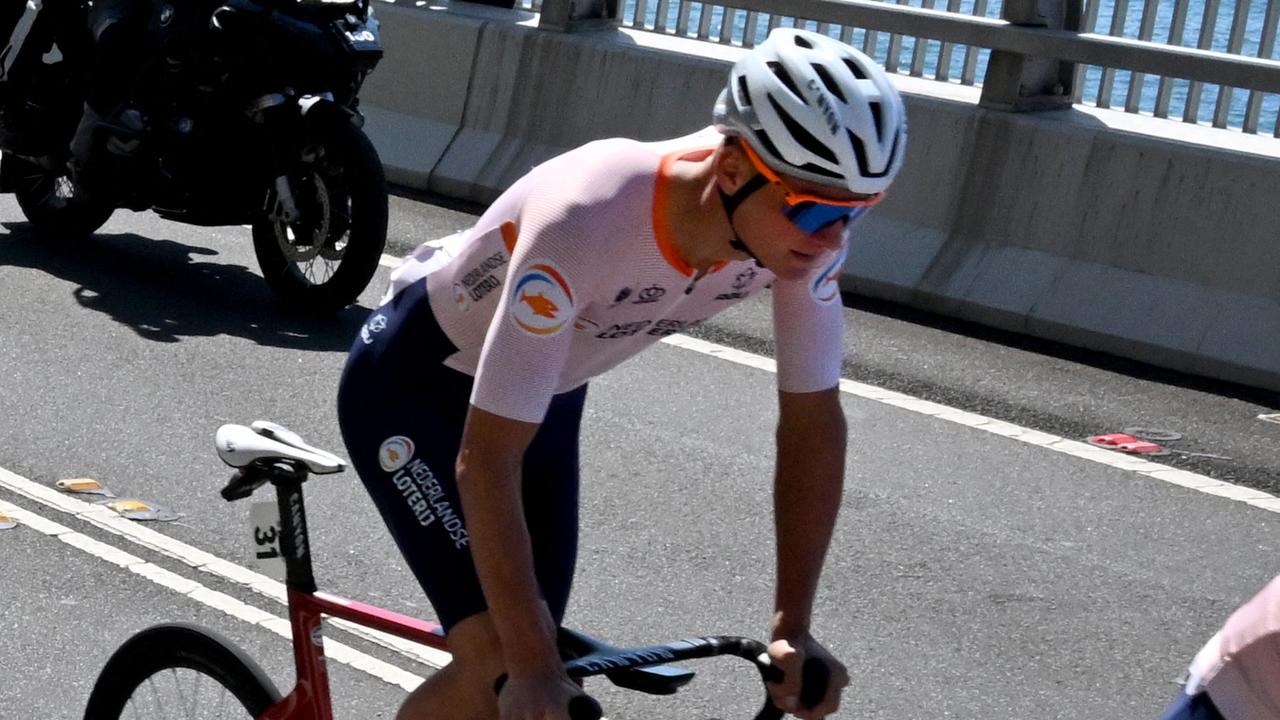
<point x="489" y="481"/>
<point x="811" y="438"/>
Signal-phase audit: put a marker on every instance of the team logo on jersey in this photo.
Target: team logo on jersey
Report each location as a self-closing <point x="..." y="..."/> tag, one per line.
<point x="479" y="281"/>
<point x="395" y="453"/>
<point x="541" y="299"/>
<point x="375" y="325"/>
<point x="651" y="294"/>
<point x="826" y="286"/>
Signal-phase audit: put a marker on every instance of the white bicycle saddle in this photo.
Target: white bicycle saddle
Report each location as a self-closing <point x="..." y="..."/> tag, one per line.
<point x="239" y="446"/>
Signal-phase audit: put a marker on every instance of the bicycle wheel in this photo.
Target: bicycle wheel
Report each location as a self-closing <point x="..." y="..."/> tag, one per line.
<point x="180" y="672"/>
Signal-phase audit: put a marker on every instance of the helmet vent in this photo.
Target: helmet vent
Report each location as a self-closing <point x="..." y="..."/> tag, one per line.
<point x="744" y="92"/>
<point x="802" y="136"/>
<point x="820" y="171"/>
<point x="803" y="42"/>
<point x="830" y="82"/>
<point x="770" y="150"/>
<point x="860" y="152"/>
<point x="853" y="68"/>
<point x="876" y="115"/>
<point x="786" y="79"/>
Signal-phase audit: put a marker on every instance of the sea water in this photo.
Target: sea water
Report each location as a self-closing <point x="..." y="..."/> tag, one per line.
<point x="1211" y="30"/>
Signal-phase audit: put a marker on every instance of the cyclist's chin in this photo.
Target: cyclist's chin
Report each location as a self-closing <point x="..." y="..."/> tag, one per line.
<point x="794" y="265"/>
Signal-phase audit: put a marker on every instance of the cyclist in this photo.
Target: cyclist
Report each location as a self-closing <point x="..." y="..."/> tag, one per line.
<point x="1236" y="676"/>
<point x="465" y="389"/>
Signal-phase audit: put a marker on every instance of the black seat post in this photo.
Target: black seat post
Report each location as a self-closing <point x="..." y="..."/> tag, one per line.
<point x="288" y="477"/>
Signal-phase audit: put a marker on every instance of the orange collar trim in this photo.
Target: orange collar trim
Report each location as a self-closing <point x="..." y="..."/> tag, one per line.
<point x="661" y="223"/>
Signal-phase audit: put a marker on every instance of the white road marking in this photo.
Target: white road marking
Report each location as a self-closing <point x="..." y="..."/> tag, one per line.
<point x="101" y="517"/>
<point x="1183" y="478"/>
<point x="388" y="261"/>
<point x="219" y="601"/>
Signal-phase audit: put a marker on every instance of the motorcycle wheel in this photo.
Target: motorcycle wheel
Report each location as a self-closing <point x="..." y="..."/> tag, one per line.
<point x="321" y="261"/>
<point x="48" y="200"/>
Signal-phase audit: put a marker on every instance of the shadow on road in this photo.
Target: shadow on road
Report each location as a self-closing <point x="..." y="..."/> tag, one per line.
<point x="161" y="290"/>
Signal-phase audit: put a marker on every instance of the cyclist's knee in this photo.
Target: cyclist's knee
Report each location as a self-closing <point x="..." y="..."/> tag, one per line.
<point x="451" y="693"/>
<point x="473" y="641"/>
<point x="463" y="689"/>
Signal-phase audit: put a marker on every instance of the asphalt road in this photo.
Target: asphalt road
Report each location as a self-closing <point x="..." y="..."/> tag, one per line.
<point x="973" y="574"/>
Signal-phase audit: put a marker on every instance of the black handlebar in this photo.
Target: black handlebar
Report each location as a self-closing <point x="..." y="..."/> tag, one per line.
<point x="815" y="675"/>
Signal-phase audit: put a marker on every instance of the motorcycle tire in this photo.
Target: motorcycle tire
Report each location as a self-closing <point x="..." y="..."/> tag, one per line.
<point x="323" y="260"/>
<point x="49" y="202"/>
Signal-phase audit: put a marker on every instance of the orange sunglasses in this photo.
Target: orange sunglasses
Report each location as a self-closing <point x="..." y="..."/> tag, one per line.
<point x="795" y="197"/>
<point x="812" y="213"/>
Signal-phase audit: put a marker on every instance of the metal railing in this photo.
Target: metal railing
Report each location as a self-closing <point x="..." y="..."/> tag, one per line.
<point x="1200" y="61"/>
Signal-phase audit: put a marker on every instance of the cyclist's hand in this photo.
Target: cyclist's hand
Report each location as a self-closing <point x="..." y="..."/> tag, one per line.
<point x="789" y="655"/>
<point x="541" y="696"/>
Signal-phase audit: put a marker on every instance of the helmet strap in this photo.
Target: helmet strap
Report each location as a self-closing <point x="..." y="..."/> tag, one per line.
<point x="731" y="203"/>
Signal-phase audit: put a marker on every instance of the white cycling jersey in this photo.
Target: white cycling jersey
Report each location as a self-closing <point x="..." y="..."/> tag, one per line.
<point x="572" y="270"/>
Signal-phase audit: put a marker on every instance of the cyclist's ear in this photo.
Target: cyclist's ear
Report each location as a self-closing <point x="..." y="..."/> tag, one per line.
<point x="732" y="168"/>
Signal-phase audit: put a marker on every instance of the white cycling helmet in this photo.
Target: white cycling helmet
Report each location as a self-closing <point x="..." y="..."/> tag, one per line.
<point x="816" y="109"/>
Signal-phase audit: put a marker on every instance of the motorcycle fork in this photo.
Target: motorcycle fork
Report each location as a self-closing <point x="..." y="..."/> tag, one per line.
<point x="280" y="120"/>
<point x="284" y="209"/>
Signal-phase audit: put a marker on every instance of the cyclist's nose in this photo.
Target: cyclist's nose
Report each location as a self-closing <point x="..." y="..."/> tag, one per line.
<point x="831" y="237"/>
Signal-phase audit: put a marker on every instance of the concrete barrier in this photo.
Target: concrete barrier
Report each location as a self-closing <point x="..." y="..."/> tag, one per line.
<point x="1089" y="228"/>
<point x="1144" y="238"/>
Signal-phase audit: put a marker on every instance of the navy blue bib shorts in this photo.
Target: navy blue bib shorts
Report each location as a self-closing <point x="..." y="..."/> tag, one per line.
<point x="401" y="412"/>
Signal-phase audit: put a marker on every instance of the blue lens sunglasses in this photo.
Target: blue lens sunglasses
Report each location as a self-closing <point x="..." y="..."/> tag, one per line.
<point x="812" y="213"/>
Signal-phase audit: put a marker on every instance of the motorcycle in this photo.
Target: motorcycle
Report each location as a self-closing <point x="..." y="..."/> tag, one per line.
<point x="245" y="113"/>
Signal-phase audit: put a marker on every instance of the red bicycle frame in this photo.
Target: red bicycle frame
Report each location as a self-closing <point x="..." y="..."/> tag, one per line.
<point x="643" y="669"/>
<point x="309" y="699"/>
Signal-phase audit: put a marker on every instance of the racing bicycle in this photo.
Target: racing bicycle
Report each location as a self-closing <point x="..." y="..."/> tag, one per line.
<point x="181" y="671"/>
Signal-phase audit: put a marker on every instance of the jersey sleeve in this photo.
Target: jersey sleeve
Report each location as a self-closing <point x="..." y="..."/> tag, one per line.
<point x="808" y="327"/>
<point x="529" y="338"/>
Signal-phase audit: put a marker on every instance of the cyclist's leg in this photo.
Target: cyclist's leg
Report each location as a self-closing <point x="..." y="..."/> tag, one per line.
<point x="464" y="688"/>
<point x="405" y="454"/>
<point x="401" y="416"/>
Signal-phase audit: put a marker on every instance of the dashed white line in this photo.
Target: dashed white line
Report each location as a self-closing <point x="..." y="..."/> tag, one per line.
<point x="1085" y="451"/>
